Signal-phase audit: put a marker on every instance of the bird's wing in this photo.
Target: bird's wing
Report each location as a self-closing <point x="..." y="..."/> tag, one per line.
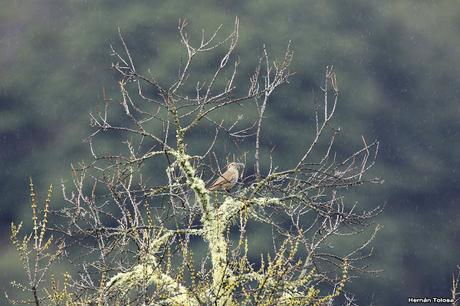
<point x="220" y="181"/>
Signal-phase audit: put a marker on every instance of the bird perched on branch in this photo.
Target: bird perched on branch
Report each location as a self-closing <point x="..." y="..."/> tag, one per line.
<point x="228" y="179"/>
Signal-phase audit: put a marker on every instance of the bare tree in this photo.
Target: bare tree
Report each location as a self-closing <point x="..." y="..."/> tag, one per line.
<point x="160" y="237"/>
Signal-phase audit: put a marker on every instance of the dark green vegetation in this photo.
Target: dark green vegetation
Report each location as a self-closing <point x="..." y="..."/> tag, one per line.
<point x="397" y="67"/>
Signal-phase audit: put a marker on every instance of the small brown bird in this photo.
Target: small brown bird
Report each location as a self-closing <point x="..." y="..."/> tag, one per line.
<point x="228" y="179"/>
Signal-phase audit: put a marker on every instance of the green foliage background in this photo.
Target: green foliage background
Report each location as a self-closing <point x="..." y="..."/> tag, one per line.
<point x="398" y="67"/>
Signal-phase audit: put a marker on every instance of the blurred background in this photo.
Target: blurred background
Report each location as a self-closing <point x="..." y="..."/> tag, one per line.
<point x="398" y="70"/>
